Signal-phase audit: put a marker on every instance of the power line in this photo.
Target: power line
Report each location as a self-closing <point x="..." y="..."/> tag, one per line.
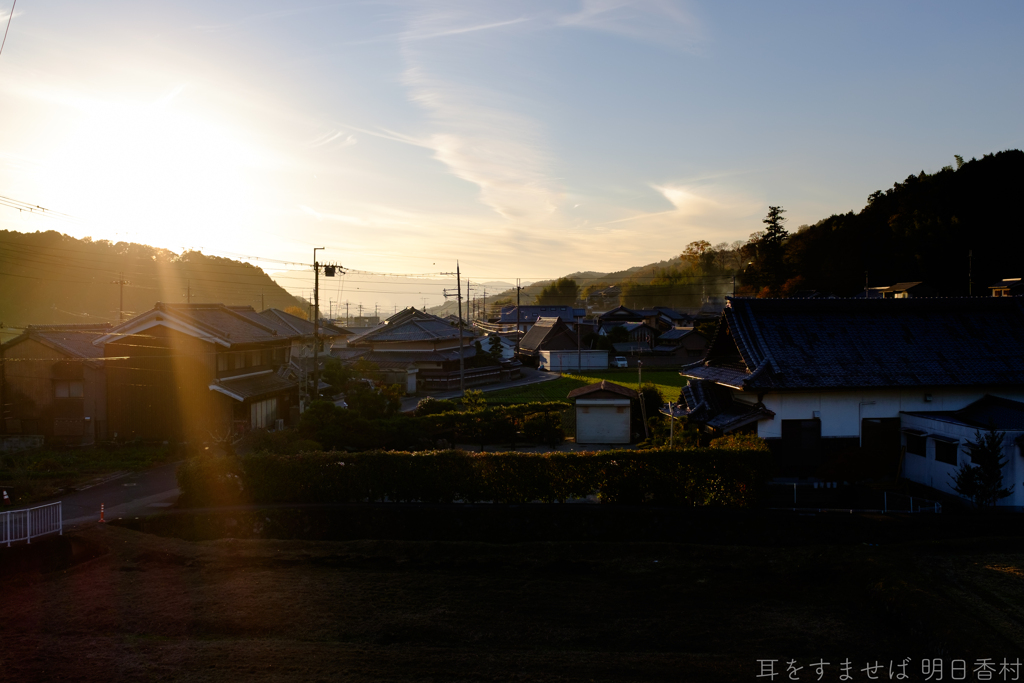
<point x="11" y="16"/>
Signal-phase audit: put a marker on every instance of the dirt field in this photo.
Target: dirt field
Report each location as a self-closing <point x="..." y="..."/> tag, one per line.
<point x="160" y="609"/>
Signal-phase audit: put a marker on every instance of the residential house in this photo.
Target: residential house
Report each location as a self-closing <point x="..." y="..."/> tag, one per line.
<point x="684" y="342"/>
<point x="527" y="316"/>
<point x="195" y="371"/>
<point x="547" y="334"/>
<point x="907" y="290"/>
<point x="421" y="351"/>
<point x="301" y="361"/>
<point x="52" y="384"/>
<point x="1011" y="286"/>
<point x="934" y="443"/>
<point x="301" y="332"/>
<point x="814" y="376"/>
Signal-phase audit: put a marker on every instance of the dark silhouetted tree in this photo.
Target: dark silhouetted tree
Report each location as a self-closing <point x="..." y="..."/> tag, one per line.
<point x="981" y="480"/>
<point x="561" y="292"/>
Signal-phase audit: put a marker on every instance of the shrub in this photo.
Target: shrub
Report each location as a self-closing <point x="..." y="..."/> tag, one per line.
<point x="211" y="480"/>
<point x="692" y="477"/>
<point x="434" y="406"/>
<point x="747" y="442"/>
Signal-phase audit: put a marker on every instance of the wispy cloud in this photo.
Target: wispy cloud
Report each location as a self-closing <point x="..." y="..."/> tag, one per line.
<point x="263" y="16"/>
<point x="496" y="149"/>
<point x="475" y="130"/>
<point x="337" y="217"/>
<point x="329" y="137"/>
<point x="659" y="21"/>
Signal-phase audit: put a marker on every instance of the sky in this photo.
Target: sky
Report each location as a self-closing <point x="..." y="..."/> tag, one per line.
<point x="523" y="139"/>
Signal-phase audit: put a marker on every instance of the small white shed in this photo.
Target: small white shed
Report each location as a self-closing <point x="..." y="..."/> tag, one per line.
<point x="934" y="442"/>
<point x="603" y="412"/>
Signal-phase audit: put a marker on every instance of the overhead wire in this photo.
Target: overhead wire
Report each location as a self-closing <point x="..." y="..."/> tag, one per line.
<point x="9" y="17"/>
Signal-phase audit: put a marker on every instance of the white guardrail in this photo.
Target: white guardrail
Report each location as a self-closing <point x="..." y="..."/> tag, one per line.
<point x="24" y="525"/>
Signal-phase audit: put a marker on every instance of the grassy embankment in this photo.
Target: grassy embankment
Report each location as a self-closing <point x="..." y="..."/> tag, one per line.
<point x="261" y="610"/>
<point x="30" y="476"/>
<point x="668" y="383"/>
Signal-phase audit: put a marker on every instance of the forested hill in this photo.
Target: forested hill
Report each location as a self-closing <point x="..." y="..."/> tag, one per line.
<point x="922" y="229"/>
<point x="47" y="277"/>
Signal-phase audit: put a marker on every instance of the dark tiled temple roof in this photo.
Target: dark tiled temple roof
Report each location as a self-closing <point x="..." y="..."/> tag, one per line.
<point x="766" y="344"/>
<point x="988" y="412"/>
<point x="713" y="405"/>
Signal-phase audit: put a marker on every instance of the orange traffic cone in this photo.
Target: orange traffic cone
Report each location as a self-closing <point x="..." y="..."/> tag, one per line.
<point x="102" y="521"/>
<point x="7" y="499"/>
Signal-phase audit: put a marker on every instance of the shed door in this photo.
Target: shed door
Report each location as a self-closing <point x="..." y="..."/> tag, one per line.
<point x="602" y="424"/>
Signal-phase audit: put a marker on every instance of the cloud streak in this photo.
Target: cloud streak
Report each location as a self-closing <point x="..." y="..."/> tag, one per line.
<point x="656" y="21"/>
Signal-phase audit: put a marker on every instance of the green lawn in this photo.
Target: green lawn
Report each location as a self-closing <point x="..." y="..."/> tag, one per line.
<point x="668" y="382"/>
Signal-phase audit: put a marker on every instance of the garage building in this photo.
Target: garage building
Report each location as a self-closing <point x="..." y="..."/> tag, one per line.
<point x="603" y="412"/>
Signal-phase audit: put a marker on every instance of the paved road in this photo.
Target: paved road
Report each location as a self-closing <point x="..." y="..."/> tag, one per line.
<point x="132" y="494"/>
<point x="529" y="376"/>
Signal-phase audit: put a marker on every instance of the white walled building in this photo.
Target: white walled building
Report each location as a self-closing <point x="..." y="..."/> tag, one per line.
<point x="815" y="376"/>
<point x="935" y="440"/>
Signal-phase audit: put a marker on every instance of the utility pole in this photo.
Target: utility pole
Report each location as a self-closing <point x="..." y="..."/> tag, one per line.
<point x="518" y="289"/>
<point x="263" y="302"/>
<point x="316" y="324"/>
<point x="121" y="282"/>
<point x="348" y="320"/>
<point x="579" y="346"/>
<point x="970" y="268"/>
<point x="639" y="390"/>
<point x="458" y="297"/>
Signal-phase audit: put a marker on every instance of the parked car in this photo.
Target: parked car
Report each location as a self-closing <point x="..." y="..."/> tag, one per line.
<point x="620" y="362"/>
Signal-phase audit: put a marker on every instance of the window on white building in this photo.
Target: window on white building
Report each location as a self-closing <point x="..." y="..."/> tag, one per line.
<point x="945" y="451"/>
<point x="916" y="445"/>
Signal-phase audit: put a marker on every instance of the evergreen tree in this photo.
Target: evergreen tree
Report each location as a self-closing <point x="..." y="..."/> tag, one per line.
<point x="561" y="292"/>
<point x="982" y="479"/>
<point x="772" y="248"/>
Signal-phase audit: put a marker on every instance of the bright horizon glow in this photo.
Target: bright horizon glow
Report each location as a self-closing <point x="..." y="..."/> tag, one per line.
<point x="527" y="140"/>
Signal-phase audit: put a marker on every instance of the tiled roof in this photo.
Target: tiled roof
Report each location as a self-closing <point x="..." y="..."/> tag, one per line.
<point x="75" y="340"/>
<point x="988" y="412"/>
<point x="548" y="334"/>
<point x="232" y="324"/>
<point x="848" y="343"/>
<point x="409" y="325"/>
<point x="675" y="334"/>
<point x="529" y="314"/>
<point x="294" y="325"/>
<point x="709" y="403"/>
<point x="405" y="357"/>
<point x="253" y="386"/>
<point x="240" y="324"/>
<point x="603" y="385"/>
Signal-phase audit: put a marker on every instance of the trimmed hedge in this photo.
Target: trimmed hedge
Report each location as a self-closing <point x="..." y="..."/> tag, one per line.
<point x="691" y="477"/>
<point x="339" y="429"/>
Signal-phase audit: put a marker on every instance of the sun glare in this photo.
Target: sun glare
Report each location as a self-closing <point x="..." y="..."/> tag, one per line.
<point x="153" y="174"/>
